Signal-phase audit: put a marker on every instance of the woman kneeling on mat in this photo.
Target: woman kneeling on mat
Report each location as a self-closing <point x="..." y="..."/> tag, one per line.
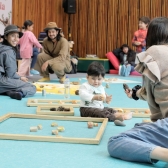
<point x="11" y="84"/>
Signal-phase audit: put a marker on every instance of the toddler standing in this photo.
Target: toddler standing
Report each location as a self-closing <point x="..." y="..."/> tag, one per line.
<point x="27" y="42"/>
<point x="139" y="39"/>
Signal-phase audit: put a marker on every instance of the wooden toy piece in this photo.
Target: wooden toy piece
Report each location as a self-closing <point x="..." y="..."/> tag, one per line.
<point x="147" y="111"/>
<point x="107" y="85"/>
<point x="33" y="129"/>
<point x="77" y="92"/>
<point x="39" y="127"/>
<point x="53" y="109"/>
<point x="60" y="91"/>
<point x="34" y="101"/>
<point x="50" y="102"/>
<point x="60" y="128"/>
<point x="125" y="86"/>
<point x="54" y="124"/>
<point x="74" y="102"/>
<point x="75" y="83"/>
<point x="55" y="132"/>
<point x="90" y="124"/>
<point x="60" y="102"/>
<point x="120" y="110"/>
<point x="95" y="124"/>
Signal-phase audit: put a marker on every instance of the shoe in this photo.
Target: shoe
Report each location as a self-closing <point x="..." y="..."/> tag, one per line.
<point x="44" y="79"/>
<point x="16" y="95"/>
<point x="62" y="79"/>
<point x="34" y="72"/>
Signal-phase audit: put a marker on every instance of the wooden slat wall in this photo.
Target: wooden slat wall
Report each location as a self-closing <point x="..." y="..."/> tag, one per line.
<point x="97" y="27"/>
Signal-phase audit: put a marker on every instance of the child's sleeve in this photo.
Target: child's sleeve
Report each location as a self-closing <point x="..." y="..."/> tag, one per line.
<point x="134" y="39"/>
<point x="35" y="42"/>
<point x="84" y="93"/>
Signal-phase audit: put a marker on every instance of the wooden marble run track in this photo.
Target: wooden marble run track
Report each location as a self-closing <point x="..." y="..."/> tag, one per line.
<point x="52" y="102"/>
<point x="137" y="112"/>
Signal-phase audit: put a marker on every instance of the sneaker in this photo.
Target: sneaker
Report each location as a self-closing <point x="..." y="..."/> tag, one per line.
<point x="16" y="95"/>
<point x="44" y="79"/>
<point x="34" y="72"/>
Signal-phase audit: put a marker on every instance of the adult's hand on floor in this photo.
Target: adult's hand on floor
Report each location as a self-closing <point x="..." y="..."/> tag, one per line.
<point x="24" y="79"/>
<point x="44" y="66"/>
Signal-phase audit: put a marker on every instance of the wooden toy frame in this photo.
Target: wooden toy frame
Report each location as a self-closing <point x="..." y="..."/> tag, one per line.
<point x="137" y="112"/>
<point x="40" y="111"/>
<point x="47" y="102"/>
<point x="95" y="140"/>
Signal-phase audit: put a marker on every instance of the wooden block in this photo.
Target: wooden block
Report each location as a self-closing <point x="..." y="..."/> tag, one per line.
<point x="39" y="127"/>
<point x="95" y="124"/>
<point x="60" y="128"/>
<point x="33" y="129"/>
<point x="54" y="124"/>
<point x="90" y="124"/>
<point x="55" y="132"/>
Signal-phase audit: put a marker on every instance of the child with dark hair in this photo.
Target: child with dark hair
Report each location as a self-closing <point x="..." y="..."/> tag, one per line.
<point x="148" y="142"/>
<point x="27" y="51"/>
<point x="139" y="39"/>
<point x="92" y="95"/>
<point x="126" y="56"/>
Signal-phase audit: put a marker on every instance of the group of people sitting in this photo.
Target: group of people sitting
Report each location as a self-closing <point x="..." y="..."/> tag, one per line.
<point x="147" y="142"/>
<point x="55" y="58"/>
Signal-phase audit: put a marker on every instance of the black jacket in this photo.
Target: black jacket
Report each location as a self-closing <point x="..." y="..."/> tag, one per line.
<point x="130" y="56"/>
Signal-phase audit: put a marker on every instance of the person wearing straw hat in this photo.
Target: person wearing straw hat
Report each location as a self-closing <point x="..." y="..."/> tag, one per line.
<point x="56" y="55"/>
<point x="11" y="84"/>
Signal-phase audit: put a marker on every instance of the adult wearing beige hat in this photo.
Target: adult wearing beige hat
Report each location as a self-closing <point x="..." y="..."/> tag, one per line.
<point x="56" y="55"/>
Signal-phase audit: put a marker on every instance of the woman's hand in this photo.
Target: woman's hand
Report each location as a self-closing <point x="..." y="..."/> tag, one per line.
<point x="129" y="93"/>
<point x="44" y="66"/>
<point x="24" y="79"/>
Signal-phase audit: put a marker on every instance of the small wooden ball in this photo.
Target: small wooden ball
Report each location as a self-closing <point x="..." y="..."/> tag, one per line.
<point x="39" y="127"/>
<point x="95" y="124"/>
<point x="77" y="92"/>
<point x="55" y="132"/>
<point x="147" y="111"/>
<point x="54" y="124"/>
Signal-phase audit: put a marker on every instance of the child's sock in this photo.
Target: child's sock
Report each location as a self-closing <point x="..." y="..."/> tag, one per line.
<point x="16" y="95"/>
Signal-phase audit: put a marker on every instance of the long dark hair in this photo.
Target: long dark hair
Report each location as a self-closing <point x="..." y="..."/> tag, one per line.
<point x="58" y="37"/>
<point x="27" y="23"/>
<point x="157" y="32"/>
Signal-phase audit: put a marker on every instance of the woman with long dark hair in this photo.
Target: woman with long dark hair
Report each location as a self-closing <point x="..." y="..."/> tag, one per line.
<point x="148" y="142"/>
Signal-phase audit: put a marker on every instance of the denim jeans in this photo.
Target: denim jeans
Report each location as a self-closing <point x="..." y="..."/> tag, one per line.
<point x="137" y="143"/>
<point x="34" y="57"/>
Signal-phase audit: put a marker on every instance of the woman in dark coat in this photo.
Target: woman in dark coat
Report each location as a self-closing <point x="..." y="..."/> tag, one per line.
<point x="11" y="83"/>
<point x="126" y="56"/>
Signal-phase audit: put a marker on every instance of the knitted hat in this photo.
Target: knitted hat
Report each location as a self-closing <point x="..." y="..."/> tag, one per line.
<point x="12" y="28"/>
<point x="51" y="25"/>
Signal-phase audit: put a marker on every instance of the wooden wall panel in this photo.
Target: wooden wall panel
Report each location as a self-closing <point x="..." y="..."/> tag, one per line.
<point x="112" y="27"/>
<point x="132" y="20"/>
<point x="92" y="27"/>
<point x="122" y="18"/>
<point x="101" y="27"/>
<point x="82" y="28"/>
<point x="97" y="27"/>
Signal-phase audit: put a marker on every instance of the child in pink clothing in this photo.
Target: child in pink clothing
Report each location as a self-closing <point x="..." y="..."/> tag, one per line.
<point x="139" y="39"/>
<point x="27" y="42"/>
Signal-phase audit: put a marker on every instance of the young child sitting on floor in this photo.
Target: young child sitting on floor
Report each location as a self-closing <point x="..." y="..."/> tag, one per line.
<point x="92" y="95"/>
